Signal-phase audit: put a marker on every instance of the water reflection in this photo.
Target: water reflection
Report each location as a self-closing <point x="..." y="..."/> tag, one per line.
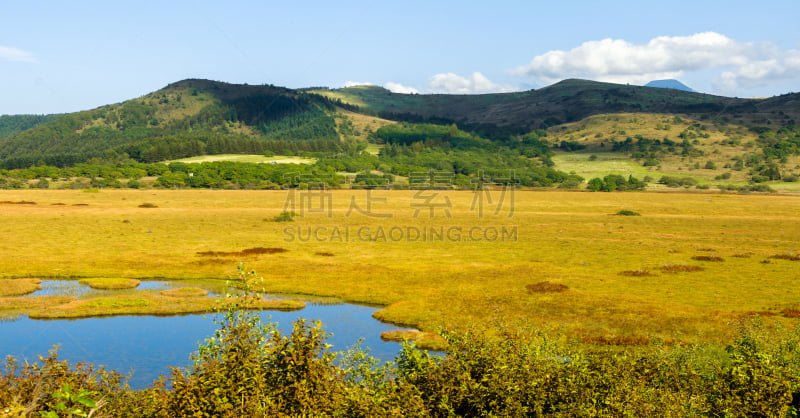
<point x="148" y="345"/>
<point x="75" y="288"/>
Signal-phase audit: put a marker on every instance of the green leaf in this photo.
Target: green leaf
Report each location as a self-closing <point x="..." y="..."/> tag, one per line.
<point x="87" y="402"/>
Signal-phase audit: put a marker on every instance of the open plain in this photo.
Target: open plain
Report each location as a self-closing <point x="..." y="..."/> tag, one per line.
<point x="682" y="271"/>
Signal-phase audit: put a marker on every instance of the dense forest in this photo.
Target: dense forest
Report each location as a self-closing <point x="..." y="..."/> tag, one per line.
<point x="410" y="150"/>
<point x="11" y="125"/>
<point x="179" y="121"/>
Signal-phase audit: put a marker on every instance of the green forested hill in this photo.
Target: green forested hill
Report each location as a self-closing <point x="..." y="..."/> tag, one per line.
<point x="197" y="117"/>
<point x="187" y="118"/>
<point x="11" y="125"/>
<point x="564" y="102"/>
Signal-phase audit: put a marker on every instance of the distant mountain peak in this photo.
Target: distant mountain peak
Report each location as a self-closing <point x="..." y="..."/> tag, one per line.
<point x="669" y="84"/>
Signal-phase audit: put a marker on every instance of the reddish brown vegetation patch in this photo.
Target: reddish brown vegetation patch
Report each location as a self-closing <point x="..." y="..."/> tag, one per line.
<point x="58" y="204"/>
<point x="760" y="313"/>
<point x="21" y="202"/>
<point x="795" y="257"/>
<point x="148" y="206"/>
<point x="637" y="273"/>
<point x="616" y="340"/>
<point x="743" y="255"/>
<point x="707" y="258"/>
<point x="791" y="312"/>
<point x="80" y="204"/>
<point x="705" y="249"/>
<point x="324" y="254"/>
<point x="680" y="268"/>
<point x="249" y="251"/>
<point x="211" y="261"/>
<point x="546" y="287"/>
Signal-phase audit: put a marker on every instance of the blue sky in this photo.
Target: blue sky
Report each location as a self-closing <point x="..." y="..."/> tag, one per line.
<point x="58" y="56"/>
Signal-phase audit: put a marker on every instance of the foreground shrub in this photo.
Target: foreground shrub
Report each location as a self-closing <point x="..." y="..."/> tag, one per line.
<point x="249" y="369"/>
<point x="35" y="389"/>
<point x="757" y="375"/>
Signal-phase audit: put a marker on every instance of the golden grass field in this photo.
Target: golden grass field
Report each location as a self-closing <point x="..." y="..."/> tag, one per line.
<point x="623" y="274"/>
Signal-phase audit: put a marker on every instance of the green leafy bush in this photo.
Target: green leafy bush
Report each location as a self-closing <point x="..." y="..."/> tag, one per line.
<point x="285" y="216"/>
<point x="626" y="212"/>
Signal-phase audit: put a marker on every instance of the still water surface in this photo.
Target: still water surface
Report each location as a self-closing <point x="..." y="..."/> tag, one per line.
<point x="148" y="345"/>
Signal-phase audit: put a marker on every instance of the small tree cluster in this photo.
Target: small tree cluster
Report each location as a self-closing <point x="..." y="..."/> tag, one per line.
<point x="615" y="182"/>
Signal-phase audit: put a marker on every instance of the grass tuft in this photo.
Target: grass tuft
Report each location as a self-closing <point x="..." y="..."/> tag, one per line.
<point x="680" y="268"/>
<point x="636" y="273"/>
<point x="285" y="216"/>
<point x="546" y="287"/>
<point x="249" y="251"/>
<point x="708" y="258"/>
<point x="21" y="202"/>
<point x="791" y="257"/>
<point x="148" y="205"/>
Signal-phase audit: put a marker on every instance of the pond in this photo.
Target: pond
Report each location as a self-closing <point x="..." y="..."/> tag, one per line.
<point x="74" y="288"/>
<point x="148" y="345"/>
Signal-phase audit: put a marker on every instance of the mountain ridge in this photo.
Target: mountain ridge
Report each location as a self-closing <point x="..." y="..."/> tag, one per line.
<point x="669" y="84"/>
<point x="184" y="117"/>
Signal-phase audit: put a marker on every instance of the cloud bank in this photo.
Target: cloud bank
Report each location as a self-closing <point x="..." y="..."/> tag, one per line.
<point x="399" y="88"/>
<point x="451" y="83"/>
<point x="474" y="84"/>
<point x="15" y="55"/>
<point x="356" y="83"/>
<point x="745" y="64"/>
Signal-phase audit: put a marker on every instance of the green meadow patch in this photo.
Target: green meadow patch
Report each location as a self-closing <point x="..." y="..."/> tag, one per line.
<point x="246" y="158"/>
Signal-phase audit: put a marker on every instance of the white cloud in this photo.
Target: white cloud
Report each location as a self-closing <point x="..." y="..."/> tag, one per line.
<point x="615" y="60"/>
<point x="399" y="88"/>
<point x="451" y="83"/>
<point x="784" y="66"/>
<point x="14" y="54"/>
<point x="356" y="83"/>
<point x="476" y="83"/>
